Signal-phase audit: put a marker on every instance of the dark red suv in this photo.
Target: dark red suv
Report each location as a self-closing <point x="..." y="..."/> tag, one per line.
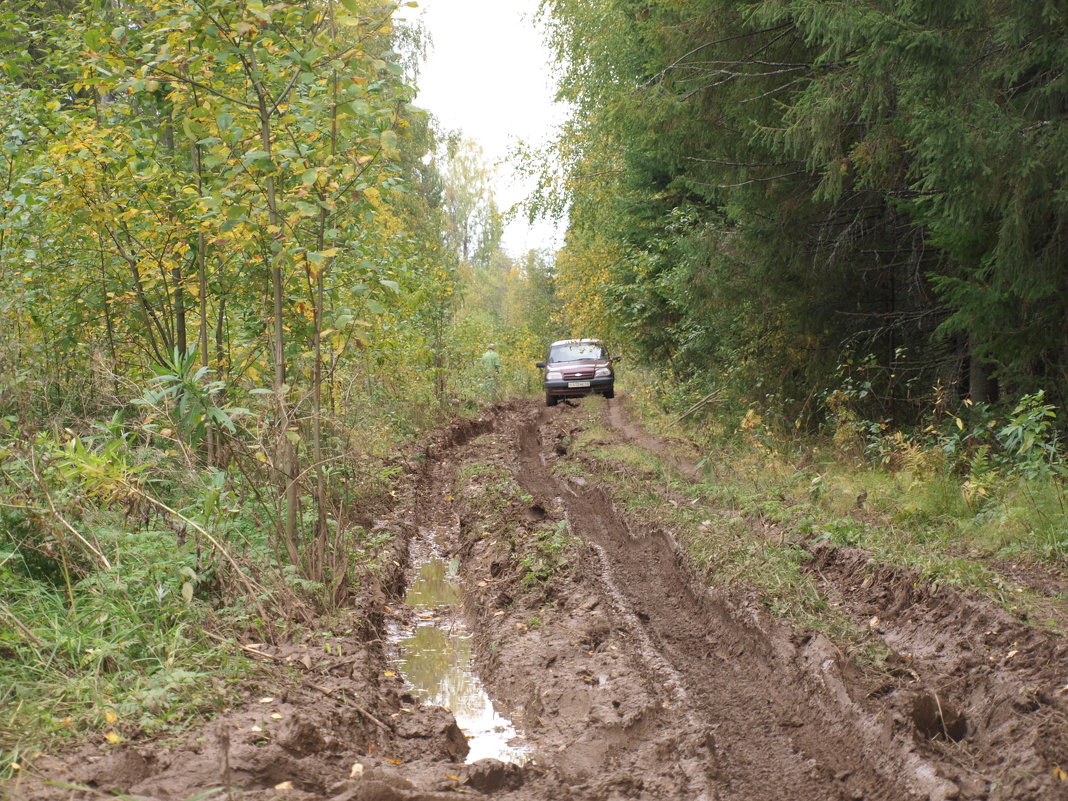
<point x="576" y="367"/>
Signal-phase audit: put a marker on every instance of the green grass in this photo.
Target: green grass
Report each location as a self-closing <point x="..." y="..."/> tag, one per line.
<point x="547" y="554"/>
<point x="492" y="491"/>
<point x="122" y="657"/>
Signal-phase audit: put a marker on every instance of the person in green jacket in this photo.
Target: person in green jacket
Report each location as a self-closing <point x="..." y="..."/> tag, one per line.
<point x="491" y="367"/>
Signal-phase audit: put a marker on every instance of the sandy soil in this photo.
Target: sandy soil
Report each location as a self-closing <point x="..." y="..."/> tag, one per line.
<point x="627" y="677"/>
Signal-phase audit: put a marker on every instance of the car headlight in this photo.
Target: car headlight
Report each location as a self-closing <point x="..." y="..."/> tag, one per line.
<point x="603" y="371"/>
<point x="553" y="375"/>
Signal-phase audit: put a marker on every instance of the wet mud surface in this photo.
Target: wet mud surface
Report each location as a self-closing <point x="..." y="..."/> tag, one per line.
<point x="613" y="672"/>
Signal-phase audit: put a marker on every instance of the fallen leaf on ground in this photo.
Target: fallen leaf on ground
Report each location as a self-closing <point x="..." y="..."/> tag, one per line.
<point x="284" y="786"/>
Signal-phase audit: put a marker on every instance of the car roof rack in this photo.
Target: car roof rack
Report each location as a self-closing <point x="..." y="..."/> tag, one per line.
<point x="576" y="342"/>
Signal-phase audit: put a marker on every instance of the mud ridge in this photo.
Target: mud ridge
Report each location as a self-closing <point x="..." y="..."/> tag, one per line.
<point x="967" y="673"/>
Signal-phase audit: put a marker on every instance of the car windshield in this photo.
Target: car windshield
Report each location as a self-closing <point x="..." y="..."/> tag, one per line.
<point x="577" y="351"/>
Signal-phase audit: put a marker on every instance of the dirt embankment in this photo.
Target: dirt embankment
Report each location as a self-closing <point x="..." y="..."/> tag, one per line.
<point x="627" y="677"/>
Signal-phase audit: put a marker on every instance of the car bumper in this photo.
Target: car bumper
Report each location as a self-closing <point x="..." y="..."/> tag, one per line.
<point x="561" y="388"/>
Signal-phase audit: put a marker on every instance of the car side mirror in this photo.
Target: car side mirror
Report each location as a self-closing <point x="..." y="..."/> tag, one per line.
<point x="617" y="358"/>
<point x="540" y="365"/>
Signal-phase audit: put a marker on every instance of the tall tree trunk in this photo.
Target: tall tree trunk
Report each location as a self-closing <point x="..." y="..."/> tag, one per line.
<point x="181" y="343"/>
<point x="202" y="284"/>
<point x="287" y="456"/>
<point x="322" y="531"/>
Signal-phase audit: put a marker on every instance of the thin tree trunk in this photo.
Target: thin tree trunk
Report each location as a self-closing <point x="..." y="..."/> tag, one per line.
<point x="178" y="309"/>
<point x="287" y="457"/>
<point x="108" y="322"/>
<point x="321" y="528"/>
<point x="202" y="282"/>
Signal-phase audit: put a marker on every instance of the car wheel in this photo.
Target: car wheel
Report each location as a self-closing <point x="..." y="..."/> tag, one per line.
<point x="550" y="400"/>
<point x="610" y="393"/>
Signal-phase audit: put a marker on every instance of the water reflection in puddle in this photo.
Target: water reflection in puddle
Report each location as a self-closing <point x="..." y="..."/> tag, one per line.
<point x="435" y="657"/>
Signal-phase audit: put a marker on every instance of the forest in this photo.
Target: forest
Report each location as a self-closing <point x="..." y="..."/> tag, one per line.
<point x="779" y="193"/>
<point x="242" y="275"/>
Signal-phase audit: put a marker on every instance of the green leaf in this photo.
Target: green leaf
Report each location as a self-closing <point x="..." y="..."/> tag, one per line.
<point x="93" y="39"/>
<point x="389" y="142"/>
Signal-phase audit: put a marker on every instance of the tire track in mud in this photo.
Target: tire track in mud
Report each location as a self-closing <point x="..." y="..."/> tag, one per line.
<point x="970" y="693"/>
<point x="776" y="734"/>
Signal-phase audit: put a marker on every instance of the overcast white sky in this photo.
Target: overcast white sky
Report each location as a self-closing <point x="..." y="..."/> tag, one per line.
<point x="487" y="73"/>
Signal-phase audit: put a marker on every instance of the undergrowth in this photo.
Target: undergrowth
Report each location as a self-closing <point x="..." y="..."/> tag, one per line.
<point x="980" y="484"/>
<point x="131" y="566"/>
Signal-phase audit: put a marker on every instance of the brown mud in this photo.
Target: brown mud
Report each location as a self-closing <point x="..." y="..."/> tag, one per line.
<point x="625" y="675"/>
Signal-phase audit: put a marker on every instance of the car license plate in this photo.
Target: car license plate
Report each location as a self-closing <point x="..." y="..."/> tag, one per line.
<point x="577" y="384"/>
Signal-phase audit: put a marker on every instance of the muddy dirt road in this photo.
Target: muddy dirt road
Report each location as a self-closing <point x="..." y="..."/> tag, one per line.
<point x="584" y="659"/>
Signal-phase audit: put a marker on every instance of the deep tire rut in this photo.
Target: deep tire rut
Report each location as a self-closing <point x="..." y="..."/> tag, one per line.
<point x="769" y="740"/>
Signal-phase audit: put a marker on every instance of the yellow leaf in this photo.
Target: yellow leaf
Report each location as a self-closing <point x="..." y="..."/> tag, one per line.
<point x="393" y="761"/>
<point x="110" y="716"/>
<point x="276" y="716"/>
<point x="389" y="673"/>
<point x="1059" y="774"/>
<point x="284" y="786"/>
<point x="113" y="737"/>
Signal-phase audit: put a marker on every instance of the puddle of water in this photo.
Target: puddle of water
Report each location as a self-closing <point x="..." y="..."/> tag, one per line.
<point x="435" y="585"/>
<point x="436" y="659"/>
